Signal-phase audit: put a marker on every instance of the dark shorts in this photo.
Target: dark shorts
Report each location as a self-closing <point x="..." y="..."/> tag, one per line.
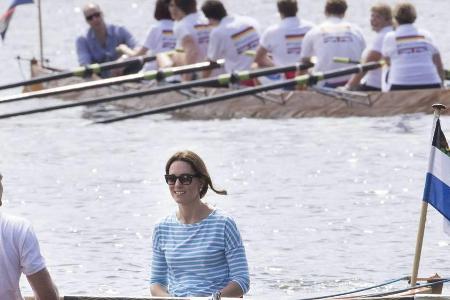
<point x="399" y="87"/>
<point x="368" y="88"/>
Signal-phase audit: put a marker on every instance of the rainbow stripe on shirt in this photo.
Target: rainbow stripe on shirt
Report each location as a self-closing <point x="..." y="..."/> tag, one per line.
<point x="241" y="34"/>
<point x="167" y="32"/>
<point x="409" y="38"/>
<point x="294" y="37"/>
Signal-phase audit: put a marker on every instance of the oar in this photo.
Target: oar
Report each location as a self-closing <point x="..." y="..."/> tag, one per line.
<point x="150" y="75"/>
<point x="222" y="80"/>
<point x="82" y="71"/>
<point x="299" y="80"/>
<point x="346" y="60"/>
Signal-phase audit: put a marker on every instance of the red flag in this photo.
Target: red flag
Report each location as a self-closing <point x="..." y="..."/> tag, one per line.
<point x="6" y="17"/>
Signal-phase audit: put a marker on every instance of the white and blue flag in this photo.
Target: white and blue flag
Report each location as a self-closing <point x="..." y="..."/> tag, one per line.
<point x="437" y="186"/>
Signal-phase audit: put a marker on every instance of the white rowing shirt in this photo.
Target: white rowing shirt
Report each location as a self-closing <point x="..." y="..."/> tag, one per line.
<point x="374" y="78"/>
<point x="19" y="253"/>
<point x="196" y="26"/>
<point x="411" y="56"/>
<point x="284" y="40"/>
<point x="160" y="38"/>
<point x="231" y="39"/>
<point x="333" y="38"/>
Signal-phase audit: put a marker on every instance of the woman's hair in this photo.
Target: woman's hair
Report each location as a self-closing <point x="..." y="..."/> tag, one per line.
<point x="336" y="7"/>
<point x="162" y="10"/>
<point x="187" y="6"/>
<point x="214" y="9"/>
<point x="405" y="13"/>
<point x="287" y="8"/>
<point x="384" y="10"/>
<point x="199" y="168"/>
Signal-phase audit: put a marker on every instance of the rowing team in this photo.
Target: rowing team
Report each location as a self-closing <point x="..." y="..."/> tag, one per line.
<point x="412" y="60"/>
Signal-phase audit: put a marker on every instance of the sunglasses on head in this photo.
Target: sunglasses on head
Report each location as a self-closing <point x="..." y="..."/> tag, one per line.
<point x="184" y="179"/>
<point x="94" y="15"/>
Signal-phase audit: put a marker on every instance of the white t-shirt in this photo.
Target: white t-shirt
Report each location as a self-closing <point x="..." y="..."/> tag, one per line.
<point x="196" y="26"/>
<point x="333" y="38"/>
<point x="160" y="38"/>
<point x="19" y="253"/>
<point x="373" y="78"/>
<point x="284" y="40"/>
<point x="231" y="39"/>
<point x="411" y="54"/>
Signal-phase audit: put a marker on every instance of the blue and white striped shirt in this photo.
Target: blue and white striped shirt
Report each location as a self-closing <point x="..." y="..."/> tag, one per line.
<point x="198" y="259"/>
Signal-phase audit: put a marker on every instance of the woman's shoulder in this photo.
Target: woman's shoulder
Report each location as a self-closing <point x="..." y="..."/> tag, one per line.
<point x="167" y="220"/>
<point x="221" y="216"/>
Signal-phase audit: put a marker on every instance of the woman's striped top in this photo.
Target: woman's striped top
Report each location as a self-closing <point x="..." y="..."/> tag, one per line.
<point x="198" y="259"/>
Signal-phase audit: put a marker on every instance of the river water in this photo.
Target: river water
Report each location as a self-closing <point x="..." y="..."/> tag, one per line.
<point x="323" y="204"/>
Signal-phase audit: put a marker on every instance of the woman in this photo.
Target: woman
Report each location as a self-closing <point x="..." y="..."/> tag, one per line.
<point x="198" y="250"/>
<point x="160" y="38"/>
<point x="415" y="63"/>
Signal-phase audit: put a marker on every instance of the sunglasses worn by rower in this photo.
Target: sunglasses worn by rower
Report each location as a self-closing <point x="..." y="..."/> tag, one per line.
<point x="184" y="179"/>
<point x="94" y="15"/>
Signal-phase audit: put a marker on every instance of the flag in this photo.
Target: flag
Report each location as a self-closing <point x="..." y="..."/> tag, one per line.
<point x="6" y="17"/>
<point x="437" y="185"/>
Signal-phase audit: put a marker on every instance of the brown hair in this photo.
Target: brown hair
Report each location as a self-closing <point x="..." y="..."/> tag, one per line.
<point x="336" y="7"/>
<point x="214" y="9"/>
<point x="405" y="13"/>
<point x="199" y="168"/>
<point x="383" y="10"/>
<point x="287" y="8"/>
<point x="187" y="6"/>
<point x="162" y="10"/>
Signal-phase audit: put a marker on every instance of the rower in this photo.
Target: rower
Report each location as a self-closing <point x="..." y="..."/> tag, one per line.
<point x="191" y="31"/>
<point x="381" y="22"/>
<point x="19" y="253"/>
<point x="230" y="38"/>
<point x="160" y="37"/>
<point x="334" y="37"/>
<point x="415" y="62"/>
<point x="99" y="44"/>
<point x="283" y="41"/>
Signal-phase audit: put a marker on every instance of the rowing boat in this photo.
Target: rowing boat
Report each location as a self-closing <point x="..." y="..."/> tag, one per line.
<point x="279" y="104"/>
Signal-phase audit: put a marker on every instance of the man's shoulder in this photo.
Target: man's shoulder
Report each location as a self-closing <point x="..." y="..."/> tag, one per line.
<point x="14" y="222"/>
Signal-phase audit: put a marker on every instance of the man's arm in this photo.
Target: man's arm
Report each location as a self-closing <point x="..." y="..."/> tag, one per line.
<point x="43" y="286"/>
<point x="355" y="80"/>
<point x="439" y="67"/>
<point x="84" y="57"/>
<point x="262" y="59"/>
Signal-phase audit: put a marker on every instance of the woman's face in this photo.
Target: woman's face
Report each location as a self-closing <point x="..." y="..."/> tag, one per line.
<point x="186" y="193"/>
<point x="176" y="13"/>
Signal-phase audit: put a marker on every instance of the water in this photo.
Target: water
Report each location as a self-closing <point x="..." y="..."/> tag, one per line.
<point x="323" y="204"/>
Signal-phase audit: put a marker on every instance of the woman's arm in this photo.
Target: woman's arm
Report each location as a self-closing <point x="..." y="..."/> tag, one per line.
<point x="158" y="290"/>
<point x="232" y="290"/>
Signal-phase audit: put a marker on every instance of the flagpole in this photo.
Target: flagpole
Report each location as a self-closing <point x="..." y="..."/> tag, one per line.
<point x="423" y="214"/>
<point x="41" y="42"/>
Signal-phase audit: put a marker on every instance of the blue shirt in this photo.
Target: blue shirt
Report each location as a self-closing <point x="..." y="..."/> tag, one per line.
<point x="198" y="259"/>
<point x="89" y="50"/>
